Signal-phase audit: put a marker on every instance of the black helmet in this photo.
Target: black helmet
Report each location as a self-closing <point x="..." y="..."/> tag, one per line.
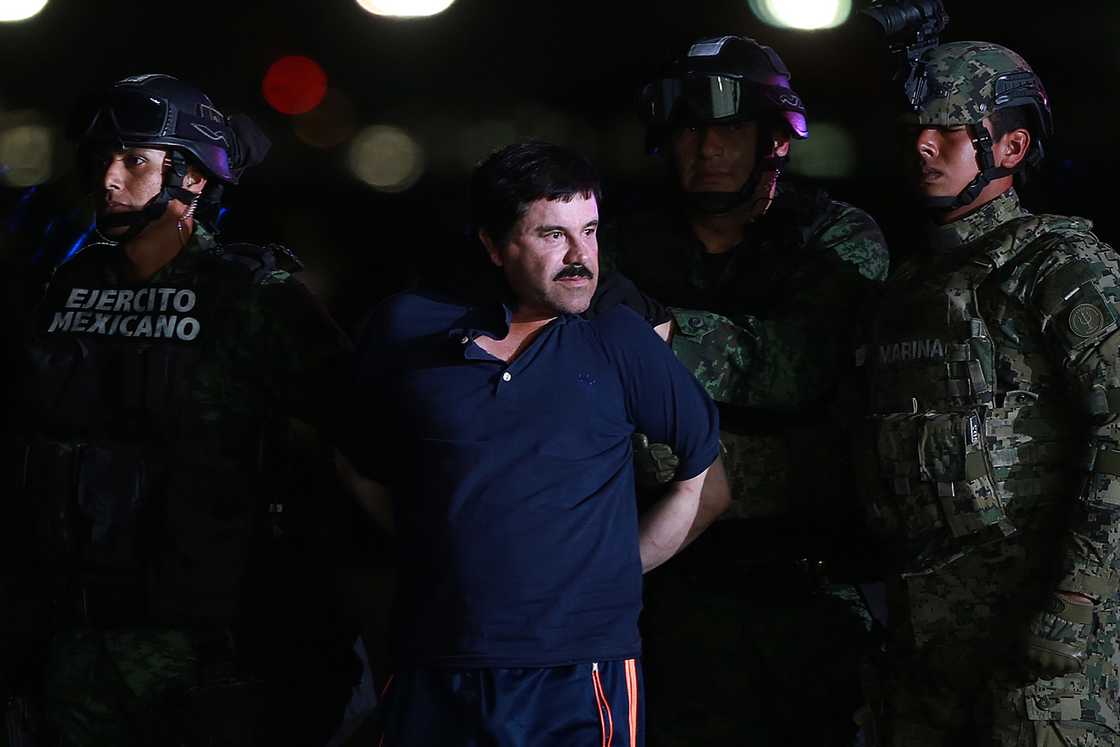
<point x="159" y="111"/>
<point x="724" y="79"/>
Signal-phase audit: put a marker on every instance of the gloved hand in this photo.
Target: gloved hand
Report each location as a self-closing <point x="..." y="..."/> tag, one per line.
<point x="654" y="464"/>
<point x="1058" y="638"/>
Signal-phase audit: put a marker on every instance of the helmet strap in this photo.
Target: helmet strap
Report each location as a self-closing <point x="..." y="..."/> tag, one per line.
<point x="765" y="162"/>
<point x="138" y="220"/>
<point x="985" y="161"/>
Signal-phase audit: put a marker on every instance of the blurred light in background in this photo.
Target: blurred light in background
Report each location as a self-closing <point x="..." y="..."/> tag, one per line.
<point x="329" y="124"/>
<point x="26" y="152"/>
<point x="802" y="14"/>
<point x="829" y="153"/>
<point x="294" y="85"/>
<point x="405" y="8"/>
<point x="20" y="10"/>
<point x="386" y="158"/>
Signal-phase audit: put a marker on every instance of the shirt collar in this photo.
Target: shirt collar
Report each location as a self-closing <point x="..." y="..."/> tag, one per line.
<point x="977" y="223"/>
<point x="491" y="320"/>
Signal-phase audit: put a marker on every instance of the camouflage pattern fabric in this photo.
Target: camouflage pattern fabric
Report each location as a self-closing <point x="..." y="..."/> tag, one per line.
<point x="764" y="328"/>
<point x="120" y="688"/>
<point x="964" y="83"/>
<point x="1007" y="326"/>
<point x="162" y="437"/>
<point x="768" y="333"/>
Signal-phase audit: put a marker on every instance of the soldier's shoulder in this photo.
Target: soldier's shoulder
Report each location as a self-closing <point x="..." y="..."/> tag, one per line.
<point x="1061" y="252"/>
<point x="1071" y="278"/>
<point x="261" y="265"/>
<point x="851" y="233"/>
<point x="1066" y="238"/>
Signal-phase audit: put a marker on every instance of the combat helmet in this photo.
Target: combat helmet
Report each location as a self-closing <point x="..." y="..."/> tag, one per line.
<point x="160" y="111"/>
<point x="721" y="80"/>
<point x="967" y="81"/>
<point x="724" y="79"/>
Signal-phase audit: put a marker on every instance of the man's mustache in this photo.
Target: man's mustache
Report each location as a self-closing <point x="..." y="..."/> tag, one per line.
<point x="574" y="271"/>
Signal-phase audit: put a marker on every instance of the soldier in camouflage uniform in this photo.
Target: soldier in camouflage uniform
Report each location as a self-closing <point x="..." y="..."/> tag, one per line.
<point x="765" y="279"/>
<point x="995" y="389"/>
<point x="162" y="372"/>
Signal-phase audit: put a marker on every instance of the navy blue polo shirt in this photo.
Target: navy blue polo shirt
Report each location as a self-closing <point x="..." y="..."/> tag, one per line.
<point x="513" y="483"/>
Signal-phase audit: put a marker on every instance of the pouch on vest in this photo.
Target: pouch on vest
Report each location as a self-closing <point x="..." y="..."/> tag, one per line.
<point x="943" y="489"/>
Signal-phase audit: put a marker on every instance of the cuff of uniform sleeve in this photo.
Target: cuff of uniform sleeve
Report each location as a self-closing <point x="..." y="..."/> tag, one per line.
<point x="1094" y="586"/>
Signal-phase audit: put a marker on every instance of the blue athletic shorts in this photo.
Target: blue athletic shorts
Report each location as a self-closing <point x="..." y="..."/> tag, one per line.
<point x="592" y="705"/>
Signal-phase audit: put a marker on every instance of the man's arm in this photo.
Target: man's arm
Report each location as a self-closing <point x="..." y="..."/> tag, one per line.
<point x="687" y="509"/>
<point x="790" y="358"/>
<point x="1076" y="297"/>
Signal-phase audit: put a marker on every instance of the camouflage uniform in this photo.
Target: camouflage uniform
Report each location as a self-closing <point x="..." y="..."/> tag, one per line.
<point x="154" y="461"/>
<point x="994" y="374"/>
<point x="764" y="329"/>
<point x="989" y="419"/>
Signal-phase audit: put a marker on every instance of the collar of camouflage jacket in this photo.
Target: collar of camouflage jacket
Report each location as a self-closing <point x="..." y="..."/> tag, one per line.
<point x="200" y="242"/>
<point x="976" y="224"/>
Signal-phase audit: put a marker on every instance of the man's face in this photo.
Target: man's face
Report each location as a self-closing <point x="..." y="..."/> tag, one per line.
<point x="941" y="160"/>
<point x="127" y="180"/>
<point x="551" y="260"/>
<point x="715" y="158"/>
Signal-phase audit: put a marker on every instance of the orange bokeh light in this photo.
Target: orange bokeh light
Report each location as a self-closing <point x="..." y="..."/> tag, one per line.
<point x="294" y="85"/>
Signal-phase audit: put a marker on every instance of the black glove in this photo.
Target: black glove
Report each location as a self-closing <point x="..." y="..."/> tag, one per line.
<point x="654" y="464"/>
<point x="1058" y="638"/>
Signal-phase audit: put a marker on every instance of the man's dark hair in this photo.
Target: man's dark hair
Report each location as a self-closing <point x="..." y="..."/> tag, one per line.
<point x="505" y="183"/>
<point x="1013" y="118"/>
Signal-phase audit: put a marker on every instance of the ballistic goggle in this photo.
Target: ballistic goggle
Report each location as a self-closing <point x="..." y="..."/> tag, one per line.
<point x="714" y="98"/>
<point x="701" y="97"/>
<point x="136" y="117"/>
<point x="140" y="114"/>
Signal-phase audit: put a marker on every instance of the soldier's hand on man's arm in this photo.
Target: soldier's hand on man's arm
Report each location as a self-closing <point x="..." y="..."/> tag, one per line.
<point x="1058" y="637"/>
<point x="654" y="464"/>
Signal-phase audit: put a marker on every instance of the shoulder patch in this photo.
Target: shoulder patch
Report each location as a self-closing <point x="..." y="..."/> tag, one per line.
<point x="1085" y="320"/>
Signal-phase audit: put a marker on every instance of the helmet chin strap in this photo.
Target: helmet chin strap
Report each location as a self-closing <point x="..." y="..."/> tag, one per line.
<point x="982" y="143"/>
<point x="138" y="220"/>
<point x="719" y="203"/>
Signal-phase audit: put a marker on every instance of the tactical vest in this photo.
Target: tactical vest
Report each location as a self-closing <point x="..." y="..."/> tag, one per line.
<point x="945" y="424"/>
<point x="139" y="490"/>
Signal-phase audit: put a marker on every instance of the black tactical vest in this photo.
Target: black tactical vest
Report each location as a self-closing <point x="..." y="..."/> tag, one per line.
<point x="139" y="475"/>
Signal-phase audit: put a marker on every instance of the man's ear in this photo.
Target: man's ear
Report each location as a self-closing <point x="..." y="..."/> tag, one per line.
<point x="781" y="143"/>
<point x="195" y="180"/>
<point x="1016" y="145"/>
<point x="491" y="247"/>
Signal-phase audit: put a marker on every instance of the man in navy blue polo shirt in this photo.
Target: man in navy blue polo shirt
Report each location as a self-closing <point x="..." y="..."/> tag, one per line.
<point x="511" y="473"/>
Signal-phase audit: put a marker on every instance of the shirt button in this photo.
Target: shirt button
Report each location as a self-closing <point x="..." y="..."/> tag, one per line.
<point x="465" y="339"/>
<point x="507" y="376"/>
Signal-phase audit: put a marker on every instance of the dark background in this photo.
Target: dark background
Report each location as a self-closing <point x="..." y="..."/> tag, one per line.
<point x="484" y="72"/>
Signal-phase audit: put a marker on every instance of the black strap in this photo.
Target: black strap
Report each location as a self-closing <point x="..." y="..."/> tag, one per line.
<point x="138" y="220"/>
<point x="982" y="143"/>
